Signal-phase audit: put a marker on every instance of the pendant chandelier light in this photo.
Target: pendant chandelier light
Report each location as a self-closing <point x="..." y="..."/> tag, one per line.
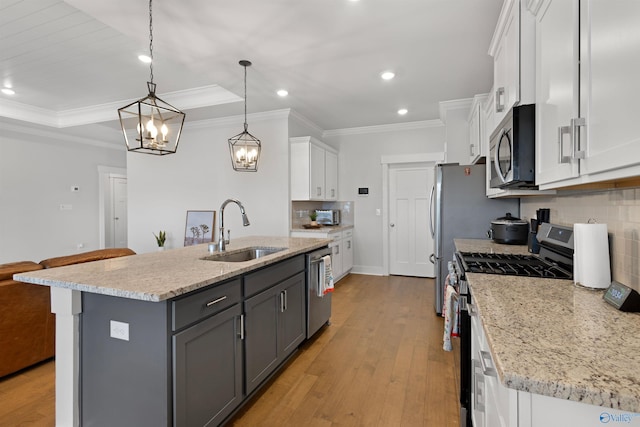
<point x="244" y="147"/>
<point x="151" y="125"/>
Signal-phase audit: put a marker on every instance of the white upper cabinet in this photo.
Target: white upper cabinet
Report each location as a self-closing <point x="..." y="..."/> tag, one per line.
<point x="314" y="170"/>
<point x="477" y="134"/>
<point x="587" y="74"/>
<point x="556" y="89"/>
<point x="513" y="52"/>
<point x="331" y="175"/>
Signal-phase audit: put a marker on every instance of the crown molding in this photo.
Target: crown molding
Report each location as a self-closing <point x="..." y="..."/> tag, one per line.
<point x="501" y="25"/>
<point x="58" y="135"/>
<point x="304" y="120"/>
<point x="393" y="127"/>
<point x="456" y="104"/>
<point x="238" y="119"/>
<point x="199" y="97"/>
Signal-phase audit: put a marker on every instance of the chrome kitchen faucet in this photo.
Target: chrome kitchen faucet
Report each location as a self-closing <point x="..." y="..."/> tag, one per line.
<point x="245" y="221"/>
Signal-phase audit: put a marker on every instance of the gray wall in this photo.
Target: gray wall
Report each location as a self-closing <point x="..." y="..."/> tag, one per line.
<point x="38" y="166"/>
<point x="359" y="165"/>
<point x="200" y="177"/>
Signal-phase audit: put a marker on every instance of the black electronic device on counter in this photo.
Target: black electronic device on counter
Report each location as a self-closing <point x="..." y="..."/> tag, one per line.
<point x="622" y="297"/>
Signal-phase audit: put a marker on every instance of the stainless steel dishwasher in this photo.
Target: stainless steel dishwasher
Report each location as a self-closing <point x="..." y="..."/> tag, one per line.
<point x="318" y="305"/>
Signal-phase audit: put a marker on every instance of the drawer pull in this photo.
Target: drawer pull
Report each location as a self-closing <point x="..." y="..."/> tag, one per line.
<point x="488" y="371"/>
<point x="215" y="301"/>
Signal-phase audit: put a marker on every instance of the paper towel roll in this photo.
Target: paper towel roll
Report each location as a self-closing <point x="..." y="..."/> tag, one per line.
<point x="591" y="265"/>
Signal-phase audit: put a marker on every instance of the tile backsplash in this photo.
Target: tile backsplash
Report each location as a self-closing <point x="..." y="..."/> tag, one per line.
<point x="619" y="209"/>
<point x="300" y="211"/>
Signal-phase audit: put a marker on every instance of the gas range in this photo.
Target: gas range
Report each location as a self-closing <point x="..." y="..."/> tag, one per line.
<point x="512" y="265"/>
<point x="555" y="260"/>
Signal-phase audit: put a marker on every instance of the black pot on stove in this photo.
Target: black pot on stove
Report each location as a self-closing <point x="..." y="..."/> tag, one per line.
<point x="509" y="230"/>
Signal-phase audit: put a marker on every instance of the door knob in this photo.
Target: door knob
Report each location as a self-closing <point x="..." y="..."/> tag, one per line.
<point x="392" y="225"/>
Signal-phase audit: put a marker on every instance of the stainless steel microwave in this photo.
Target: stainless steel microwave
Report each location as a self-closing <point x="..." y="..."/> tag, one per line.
<point x="512" y="150"/>
<point x="328" y="216"/>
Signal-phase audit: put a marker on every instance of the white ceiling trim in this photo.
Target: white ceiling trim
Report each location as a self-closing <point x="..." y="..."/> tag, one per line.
<point x="238" y="119"/>
<point x="455" y="104"/>
<point x="199" y="97"/>
<point x="51" y="135"/>
<point x="306" y="121"/>
<point x="394" y="127"/>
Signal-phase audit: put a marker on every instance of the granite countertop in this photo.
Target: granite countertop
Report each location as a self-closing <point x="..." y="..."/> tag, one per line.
<point x="554" y="338"/>
<point x="164" y="275"/>
<point x="325" y="229"/>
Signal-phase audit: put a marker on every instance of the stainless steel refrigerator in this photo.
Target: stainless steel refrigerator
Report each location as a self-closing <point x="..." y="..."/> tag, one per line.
<point x="460" y="209"/>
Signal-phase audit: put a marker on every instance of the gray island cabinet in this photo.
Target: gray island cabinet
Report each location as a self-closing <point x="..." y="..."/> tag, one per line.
<point x="187" y="357"/>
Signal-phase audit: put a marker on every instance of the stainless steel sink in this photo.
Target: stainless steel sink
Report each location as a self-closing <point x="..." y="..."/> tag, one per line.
<point x="241" y="255"/>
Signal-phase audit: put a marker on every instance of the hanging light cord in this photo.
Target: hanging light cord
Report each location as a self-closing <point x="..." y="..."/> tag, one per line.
<point x="245" y="99"/>
<point x="151" y="40"/>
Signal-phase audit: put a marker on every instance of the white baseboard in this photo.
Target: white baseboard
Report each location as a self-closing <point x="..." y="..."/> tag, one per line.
<point x="368" y="270"/>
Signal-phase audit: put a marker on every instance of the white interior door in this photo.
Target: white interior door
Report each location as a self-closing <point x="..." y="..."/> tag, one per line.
<point x="410" y="242"/>
<point x="119" y="209"/>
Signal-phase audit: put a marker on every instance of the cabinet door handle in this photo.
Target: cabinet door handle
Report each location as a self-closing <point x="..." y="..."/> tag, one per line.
<point x="333" y="192"/>
<point x="282" y="302"/>
<point x="471" y="308"/>
<point x="215" y="301"/>
<point x="318" y="191"/>
<point x="563" y="130"/>
<point x="286" y="300"/>
<point x="499" y="96"/>
<point x="575" y="132"/>
<point x="489" y="371"/>
<point x="348" y="244"/>
<point x="478" y="388"/>
<point x="241" y="334"/>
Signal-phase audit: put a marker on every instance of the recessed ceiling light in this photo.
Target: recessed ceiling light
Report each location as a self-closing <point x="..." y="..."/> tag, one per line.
<point x="8" y="91"/>
<point x="282" y="93"/>
<point x="403" y="111"/>
<point x="387" y="75"/>
<point x="144" y="58"/>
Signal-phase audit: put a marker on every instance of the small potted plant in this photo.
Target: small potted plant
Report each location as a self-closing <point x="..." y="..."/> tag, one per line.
<point x="313" y="216"/>
<point x="161" y="237"/>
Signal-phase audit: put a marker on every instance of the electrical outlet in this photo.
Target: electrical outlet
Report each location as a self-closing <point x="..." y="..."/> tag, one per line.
<point x="119" y="330"/>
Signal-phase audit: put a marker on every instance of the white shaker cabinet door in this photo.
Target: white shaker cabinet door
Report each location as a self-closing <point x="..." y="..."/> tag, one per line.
<point x="317" y="165"/>
<point x="556" y="89"/>
<point x="610" y="84"/>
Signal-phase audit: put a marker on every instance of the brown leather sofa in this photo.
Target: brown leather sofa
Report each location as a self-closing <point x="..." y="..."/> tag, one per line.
<point x="27" y="326"/>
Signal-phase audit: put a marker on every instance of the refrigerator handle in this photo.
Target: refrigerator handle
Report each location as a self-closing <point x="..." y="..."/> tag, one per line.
<point x="431" y="213"/>
<point x="432" y="258"/>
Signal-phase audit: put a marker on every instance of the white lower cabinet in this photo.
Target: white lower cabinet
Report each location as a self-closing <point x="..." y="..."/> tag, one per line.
<point x="494" y="405"/>
<point x="341" y="249"/>
<point x="336" y="253"/>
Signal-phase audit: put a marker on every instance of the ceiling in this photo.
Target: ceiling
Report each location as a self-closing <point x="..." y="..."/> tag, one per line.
<point x="73" y="63"/>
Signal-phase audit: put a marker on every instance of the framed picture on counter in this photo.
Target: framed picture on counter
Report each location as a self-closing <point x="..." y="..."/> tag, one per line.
<point x="200" y="227"/>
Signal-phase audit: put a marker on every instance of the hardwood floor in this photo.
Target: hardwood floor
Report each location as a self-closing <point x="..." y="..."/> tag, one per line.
<point x="27" y="398"/>
<point x="379" y="363"/>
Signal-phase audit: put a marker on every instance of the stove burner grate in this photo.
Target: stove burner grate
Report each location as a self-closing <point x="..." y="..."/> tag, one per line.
<point x="512" y="265"/>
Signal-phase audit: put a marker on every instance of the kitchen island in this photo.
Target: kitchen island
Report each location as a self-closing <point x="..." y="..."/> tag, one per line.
<point x="552" y="339"/>
<point x="153" y="339"/>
